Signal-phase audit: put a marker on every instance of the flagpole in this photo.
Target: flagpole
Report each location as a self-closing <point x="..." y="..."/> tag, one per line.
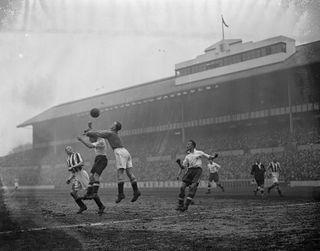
<point x="222" y="28"/>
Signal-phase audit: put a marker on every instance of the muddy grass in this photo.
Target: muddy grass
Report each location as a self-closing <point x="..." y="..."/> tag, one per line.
<point x="215" y="222"/>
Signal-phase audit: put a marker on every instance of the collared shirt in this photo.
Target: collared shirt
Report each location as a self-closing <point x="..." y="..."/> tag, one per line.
<point x="100" y="147"/>
<point x="213" y="167"/>
<point x="193" y="159"/>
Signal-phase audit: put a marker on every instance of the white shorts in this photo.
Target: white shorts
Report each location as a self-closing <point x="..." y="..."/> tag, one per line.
<point x="123" y="158"/>
<point x="275" y="177"/>
<point x="81" y="180"/>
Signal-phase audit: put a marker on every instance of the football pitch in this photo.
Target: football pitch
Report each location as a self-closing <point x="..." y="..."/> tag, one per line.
<point x="47" y="220"/>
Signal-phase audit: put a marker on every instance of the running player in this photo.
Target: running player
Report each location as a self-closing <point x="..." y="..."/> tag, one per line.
<point x="122" y="157"/>
<point x="274" y="169"/>
<point x="16" y="184"/>
<point x="191" y="178"/>
<point x="100" y="163"/>
<point x="258" y="171"/>
<point x="213" y="175"/>
<point x="79" y="177"/>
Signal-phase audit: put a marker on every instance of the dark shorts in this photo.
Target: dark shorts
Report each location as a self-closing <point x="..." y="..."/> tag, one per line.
<point x="214" y="177"/>
<point x="100" y="163"/>
<point x="260" y="182"/>
<point x="192" y="175"/>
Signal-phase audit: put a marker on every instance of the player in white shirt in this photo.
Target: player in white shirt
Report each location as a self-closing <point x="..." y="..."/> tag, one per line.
<point x="16" y="184"/>
<point x="100" y="163"/>
<point x="213" y="175"/>
<point x="193" y="163"/>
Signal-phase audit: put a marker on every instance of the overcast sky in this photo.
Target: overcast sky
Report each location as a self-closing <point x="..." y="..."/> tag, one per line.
<point x="55" y="51"/>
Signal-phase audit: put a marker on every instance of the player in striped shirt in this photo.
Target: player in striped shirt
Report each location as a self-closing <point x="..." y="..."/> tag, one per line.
<point x="213" y="175"/>
<point x="191" y="178"/>
<point x="78" y="177"/>
<point x="274" y="170"/>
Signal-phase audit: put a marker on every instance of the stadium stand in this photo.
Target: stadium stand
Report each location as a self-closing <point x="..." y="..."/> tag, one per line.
<point x="264" y="108"/>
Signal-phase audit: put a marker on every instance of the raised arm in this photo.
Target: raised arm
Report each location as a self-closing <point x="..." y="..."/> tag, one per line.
<point x="208" y="156"/>
<point x="99" y="133"/>
<point x="87" y="144"/>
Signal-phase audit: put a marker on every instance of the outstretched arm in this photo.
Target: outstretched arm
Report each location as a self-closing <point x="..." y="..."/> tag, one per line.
<point x="87" y="144"/>
<point x="99" y="133"/>
<point x="210" y="157"/>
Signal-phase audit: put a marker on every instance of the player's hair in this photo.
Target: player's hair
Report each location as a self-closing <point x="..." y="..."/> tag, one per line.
<point x="118" y="125"/>
<point x="67" y="147"/>
<point x="192" y="142"/>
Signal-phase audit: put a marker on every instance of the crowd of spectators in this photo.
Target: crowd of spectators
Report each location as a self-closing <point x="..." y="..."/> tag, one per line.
<point x="47" y="165"/>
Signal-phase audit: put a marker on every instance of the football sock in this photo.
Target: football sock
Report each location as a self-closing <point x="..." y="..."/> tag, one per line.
<point x="90" y="188"/>
<point x="98" y="201"/>
<point x="134" y="186"/>
<point x="120" y="188"/>
<point x="96" y="186"/>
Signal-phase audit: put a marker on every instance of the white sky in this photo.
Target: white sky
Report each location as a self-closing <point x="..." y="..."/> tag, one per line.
<point x="71" y="49"/>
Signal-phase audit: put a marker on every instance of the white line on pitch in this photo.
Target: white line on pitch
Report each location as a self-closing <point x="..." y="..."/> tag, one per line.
<point x="96" y="224"/>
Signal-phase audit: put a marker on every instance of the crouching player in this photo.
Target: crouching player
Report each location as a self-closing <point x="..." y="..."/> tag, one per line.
<point x="191" y="178"/>
<point x="79" y="177"/>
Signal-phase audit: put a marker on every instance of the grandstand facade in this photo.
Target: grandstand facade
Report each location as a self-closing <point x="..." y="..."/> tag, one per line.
<point x="240" y="99"/>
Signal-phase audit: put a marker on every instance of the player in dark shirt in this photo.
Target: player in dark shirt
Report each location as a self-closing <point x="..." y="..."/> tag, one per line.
<point x="258" y="171"/>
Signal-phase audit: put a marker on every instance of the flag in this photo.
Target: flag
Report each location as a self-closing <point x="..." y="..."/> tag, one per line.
<point x="224" y="23"/>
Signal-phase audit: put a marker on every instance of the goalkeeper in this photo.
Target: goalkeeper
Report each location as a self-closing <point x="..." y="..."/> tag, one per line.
<point x="191" y="178"/>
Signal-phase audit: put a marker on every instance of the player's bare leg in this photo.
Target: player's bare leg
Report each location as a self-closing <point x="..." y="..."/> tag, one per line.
<point x="209" y="188"/>
<point x="221" y="187"/>
<point x="89" y="194"/>
<point x="275" y="185"/>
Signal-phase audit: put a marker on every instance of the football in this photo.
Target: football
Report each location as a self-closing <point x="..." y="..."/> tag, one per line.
<point x="95" y="112"/>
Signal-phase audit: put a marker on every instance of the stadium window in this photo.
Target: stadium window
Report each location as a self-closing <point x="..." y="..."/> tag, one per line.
<point x="236" y="58"/>
<point x="277" y="48"/>
<point x="268" y="50"/>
